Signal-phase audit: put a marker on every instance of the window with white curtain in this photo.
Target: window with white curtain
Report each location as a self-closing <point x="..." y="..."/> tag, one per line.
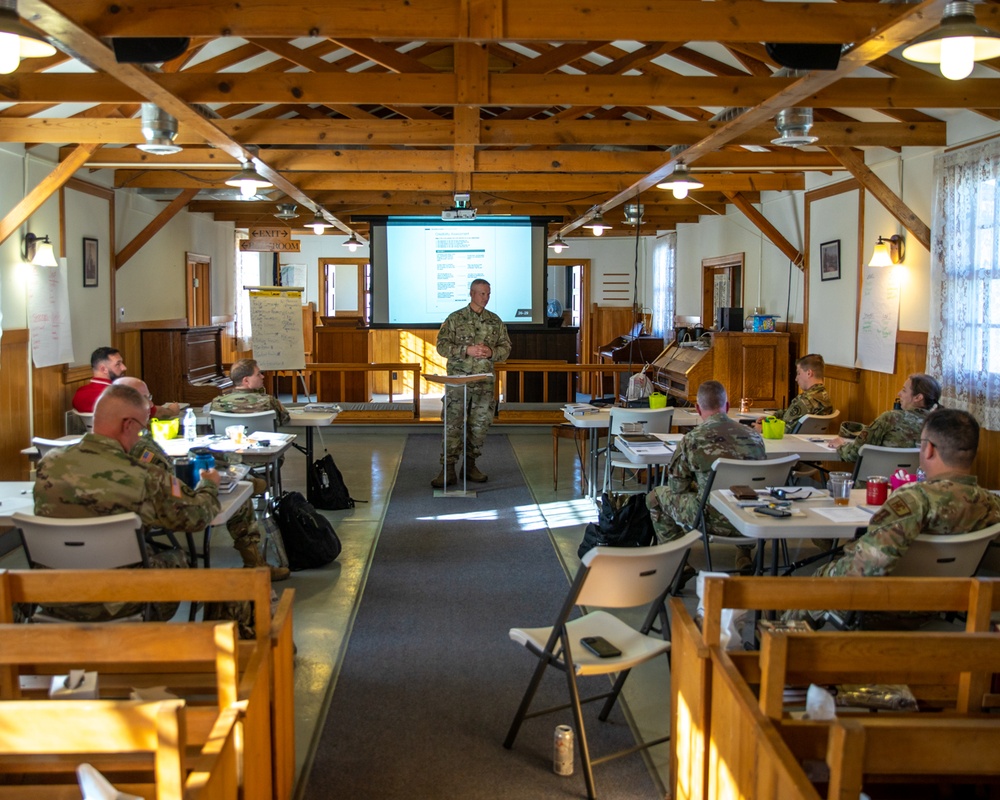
<point x="247" y="274"/>
<point x="963" y="346"/>
<point x="664" y="269"/>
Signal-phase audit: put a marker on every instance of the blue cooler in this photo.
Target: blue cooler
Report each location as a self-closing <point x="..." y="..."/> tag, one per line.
<point x="764" y="323"/>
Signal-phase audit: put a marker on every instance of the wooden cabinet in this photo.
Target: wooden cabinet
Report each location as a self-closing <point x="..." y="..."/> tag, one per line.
<point x="339" y="344"/>
<point x="753" y="365"/>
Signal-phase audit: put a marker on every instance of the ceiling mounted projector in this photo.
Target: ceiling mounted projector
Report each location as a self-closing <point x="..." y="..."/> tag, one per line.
<point x="460" y="210"/>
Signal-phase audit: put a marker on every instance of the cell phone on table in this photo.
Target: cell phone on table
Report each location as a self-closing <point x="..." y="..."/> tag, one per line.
<point x="600" y="646"/>
<point x="773" y="512"/>
<point x="743" y="492"/>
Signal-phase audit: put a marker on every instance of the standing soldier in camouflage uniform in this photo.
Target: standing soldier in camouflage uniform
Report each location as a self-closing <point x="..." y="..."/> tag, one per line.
<point x="97" y="477"/>
<point x="472" y="339"/>
<point x="813" y="399"/>
<point x="242" y="526"/>
<point x="898" y="427"/>
<point x="674" y="507"/>
<point x="247" y="395"/>
<point x="947" y="502"/>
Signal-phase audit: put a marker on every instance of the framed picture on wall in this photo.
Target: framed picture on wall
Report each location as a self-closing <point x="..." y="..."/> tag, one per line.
<point x="829" y="260"/>
<point x="89" y="262"/>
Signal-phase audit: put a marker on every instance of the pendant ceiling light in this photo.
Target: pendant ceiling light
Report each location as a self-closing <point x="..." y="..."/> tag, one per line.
<point x="159" y="129"/>
<point x="956" y="44"/>
<point x="319" y="223"/>
<point x="597" y="225"/>
<point x="17" y="40"/>
<point x="248" y="180"/>
<point x="287" y="211"/>
<point x="681" y="181"/>
<point x="353" y="243"/>
<point x="559" y="244"/>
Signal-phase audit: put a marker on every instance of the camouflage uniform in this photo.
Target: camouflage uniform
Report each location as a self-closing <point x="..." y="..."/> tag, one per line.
<point x="813" y="400"/>
<point x="96" y="478"/>
<point x="674" y="507"/>
<point x="896" y="428"/>
<point x="949" y="504"/>
<point x="242" y="526"/>
<point x="250" y="401"/>
<point x="461" y="329"/>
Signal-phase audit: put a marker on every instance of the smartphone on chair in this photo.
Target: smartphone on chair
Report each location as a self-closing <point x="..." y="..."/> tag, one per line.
<point x="600" y="646"/>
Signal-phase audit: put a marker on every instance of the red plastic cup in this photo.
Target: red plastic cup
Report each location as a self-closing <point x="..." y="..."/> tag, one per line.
<point x="877" y="490"/>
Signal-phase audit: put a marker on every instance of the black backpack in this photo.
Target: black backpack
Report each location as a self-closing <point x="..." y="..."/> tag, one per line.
<point x="325" y="486"/>
<point x="309" y="538"/>
<point x="623" y="521"/>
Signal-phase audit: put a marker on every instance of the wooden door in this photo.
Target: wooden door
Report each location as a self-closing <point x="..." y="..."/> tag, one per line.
<point x="199" y="289"/>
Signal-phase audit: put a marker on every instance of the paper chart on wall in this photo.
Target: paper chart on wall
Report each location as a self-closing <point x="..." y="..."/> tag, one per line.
<point x="48" y="316"/>
<point x="878" y="320"/>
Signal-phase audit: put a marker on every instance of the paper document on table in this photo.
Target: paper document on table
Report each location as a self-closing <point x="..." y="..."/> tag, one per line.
<point x="271" y="437"/>
<point x="844" y="514"/>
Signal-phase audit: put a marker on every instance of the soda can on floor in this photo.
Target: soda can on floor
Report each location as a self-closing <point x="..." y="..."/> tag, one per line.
<point x="562" y="751"/>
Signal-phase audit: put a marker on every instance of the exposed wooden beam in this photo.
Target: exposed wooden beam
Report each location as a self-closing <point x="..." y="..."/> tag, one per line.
<point x="855" y="163"/>
<point x="48" y="186"/>
<point x="773" y="234"/>
<point x="175" y="207"/>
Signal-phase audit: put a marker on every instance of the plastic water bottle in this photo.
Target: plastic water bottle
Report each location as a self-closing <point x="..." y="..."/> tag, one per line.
<point x="190" y="425"/>
<point x="921" y="475"/>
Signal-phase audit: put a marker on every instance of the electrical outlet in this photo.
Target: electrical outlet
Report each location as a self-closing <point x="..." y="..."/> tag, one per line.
<point x="394" y="375"/>
<point x="121" y="312"/>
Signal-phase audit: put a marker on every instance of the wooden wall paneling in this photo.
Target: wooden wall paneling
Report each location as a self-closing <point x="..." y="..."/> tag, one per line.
<point x="49" y="400"/>
<point x="987" y="465"/>
<point x="15" y="419"/>
<point x="385" y="347"/>
<point x="419" y="346"/>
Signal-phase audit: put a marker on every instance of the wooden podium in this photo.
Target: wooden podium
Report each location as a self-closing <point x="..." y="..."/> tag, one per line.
<point x="463" y="381"/>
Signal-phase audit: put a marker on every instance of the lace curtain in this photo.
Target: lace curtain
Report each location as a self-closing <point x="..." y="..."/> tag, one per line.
<point x="664" y="268"/>
<point x="247" y="274"/>
<point x="963" y="347"/>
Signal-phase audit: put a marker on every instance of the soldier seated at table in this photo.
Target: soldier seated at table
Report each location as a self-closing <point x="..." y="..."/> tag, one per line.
<point x="813" y="398"/>
<point x="899" y="427"/>
<point x="247" y="395"/>
<point x="242" y="526"/>
<point x="674" y="507"/>
<point x="98" y="477"/>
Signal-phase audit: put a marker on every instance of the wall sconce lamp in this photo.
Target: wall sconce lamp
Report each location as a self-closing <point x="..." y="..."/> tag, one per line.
<point x="17" y="40"/>
<point x="889" y="250"/>
<point x="681" y="181"/>
<point x="352" y="244"/>
<point x="248" y="180"/>
<point x="597" y="225"/>
<point x="559" y="244"/>
<point x="319" y="223"/>
<point x="956" y="44"/>
<point x="38" y="251"/>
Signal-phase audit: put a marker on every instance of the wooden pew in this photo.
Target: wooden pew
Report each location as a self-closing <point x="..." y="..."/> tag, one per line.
<point x="274" y="639"/>
<point x="691" y="673"/>
<point x="965" y="660"/>
<point x="748" y="756"/>
<point x="35" y="733"/>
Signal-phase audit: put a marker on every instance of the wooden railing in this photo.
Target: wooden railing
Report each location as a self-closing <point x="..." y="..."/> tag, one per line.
<point x="387" y="367"/>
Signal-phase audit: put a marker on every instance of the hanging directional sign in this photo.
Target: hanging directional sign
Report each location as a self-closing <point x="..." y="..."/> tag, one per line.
<point x="270" y="239"/>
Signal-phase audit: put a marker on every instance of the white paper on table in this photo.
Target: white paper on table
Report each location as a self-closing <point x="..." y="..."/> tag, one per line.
<point x="804" y="492"/>
<point x="844" y="514"/>
<point x="270" y="436"/>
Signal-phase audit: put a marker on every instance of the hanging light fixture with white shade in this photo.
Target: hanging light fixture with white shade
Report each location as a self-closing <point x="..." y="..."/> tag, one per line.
<point x="956" y="44"/>
<point x="559" y="244"/>
<point x="353" y="243"/>
<point x="17" y="40"/>
<point x="319" y="223"/>
<point x="248" y="180"/>
<point x="681" y="181"/>
<point x="597" y="225"/>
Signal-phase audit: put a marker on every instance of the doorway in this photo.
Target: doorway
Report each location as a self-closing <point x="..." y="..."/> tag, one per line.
<point x="198" y="271"/>
<point x="721" y="286"/>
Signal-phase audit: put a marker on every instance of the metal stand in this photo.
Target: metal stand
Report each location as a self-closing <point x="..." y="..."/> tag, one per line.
<point x="463" y="381"/>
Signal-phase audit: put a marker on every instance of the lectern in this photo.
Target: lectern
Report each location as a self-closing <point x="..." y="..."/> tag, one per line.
<point x="463" y="381"/>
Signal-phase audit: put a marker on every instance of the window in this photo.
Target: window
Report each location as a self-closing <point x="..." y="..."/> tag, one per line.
<point x="964" y="341"/>
<point x="664" y="270"/>
<point x="247" y="274"/>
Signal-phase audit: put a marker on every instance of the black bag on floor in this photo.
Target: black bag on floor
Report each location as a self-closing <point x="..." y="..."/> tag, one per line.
<point x="623" y="521"/>
<point x="310" y="540"/>
<point x="325" y="486"/>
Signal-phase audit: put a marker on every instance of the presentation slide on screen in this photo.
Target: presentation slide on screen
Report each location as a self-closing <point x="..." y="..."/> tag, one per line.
<point x="431" y="265"/>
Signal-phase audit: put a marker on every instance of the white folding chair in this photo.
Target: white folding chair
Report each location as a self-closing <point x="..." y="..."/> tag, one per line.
<point x="254" y="421"/>
<point x="44" y="446"/>
<point x="107" y="542"/>
<point x="938" y="556"/>
<point x="728" y="472"/>
<point x="652" y="420"/>
<point x="877" y="460"/>
<point x="816" y="423"/>
<point x="609" y="577"/>
<point x="79" y="421"/>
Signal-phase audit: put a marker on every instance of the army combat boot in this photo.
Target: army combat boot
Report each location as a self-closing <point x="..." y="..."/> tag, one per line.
<point x="472" y="472"/>
<point x="252" y="558"/>
<point x="438" y="482"/>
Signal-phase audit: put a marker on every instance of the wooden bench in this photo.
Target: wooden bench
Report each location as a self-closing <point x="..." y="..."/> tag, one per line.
<point x="271" y="749"/>
<point x="35" y="735"/>
<point x="691" y="670"/>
